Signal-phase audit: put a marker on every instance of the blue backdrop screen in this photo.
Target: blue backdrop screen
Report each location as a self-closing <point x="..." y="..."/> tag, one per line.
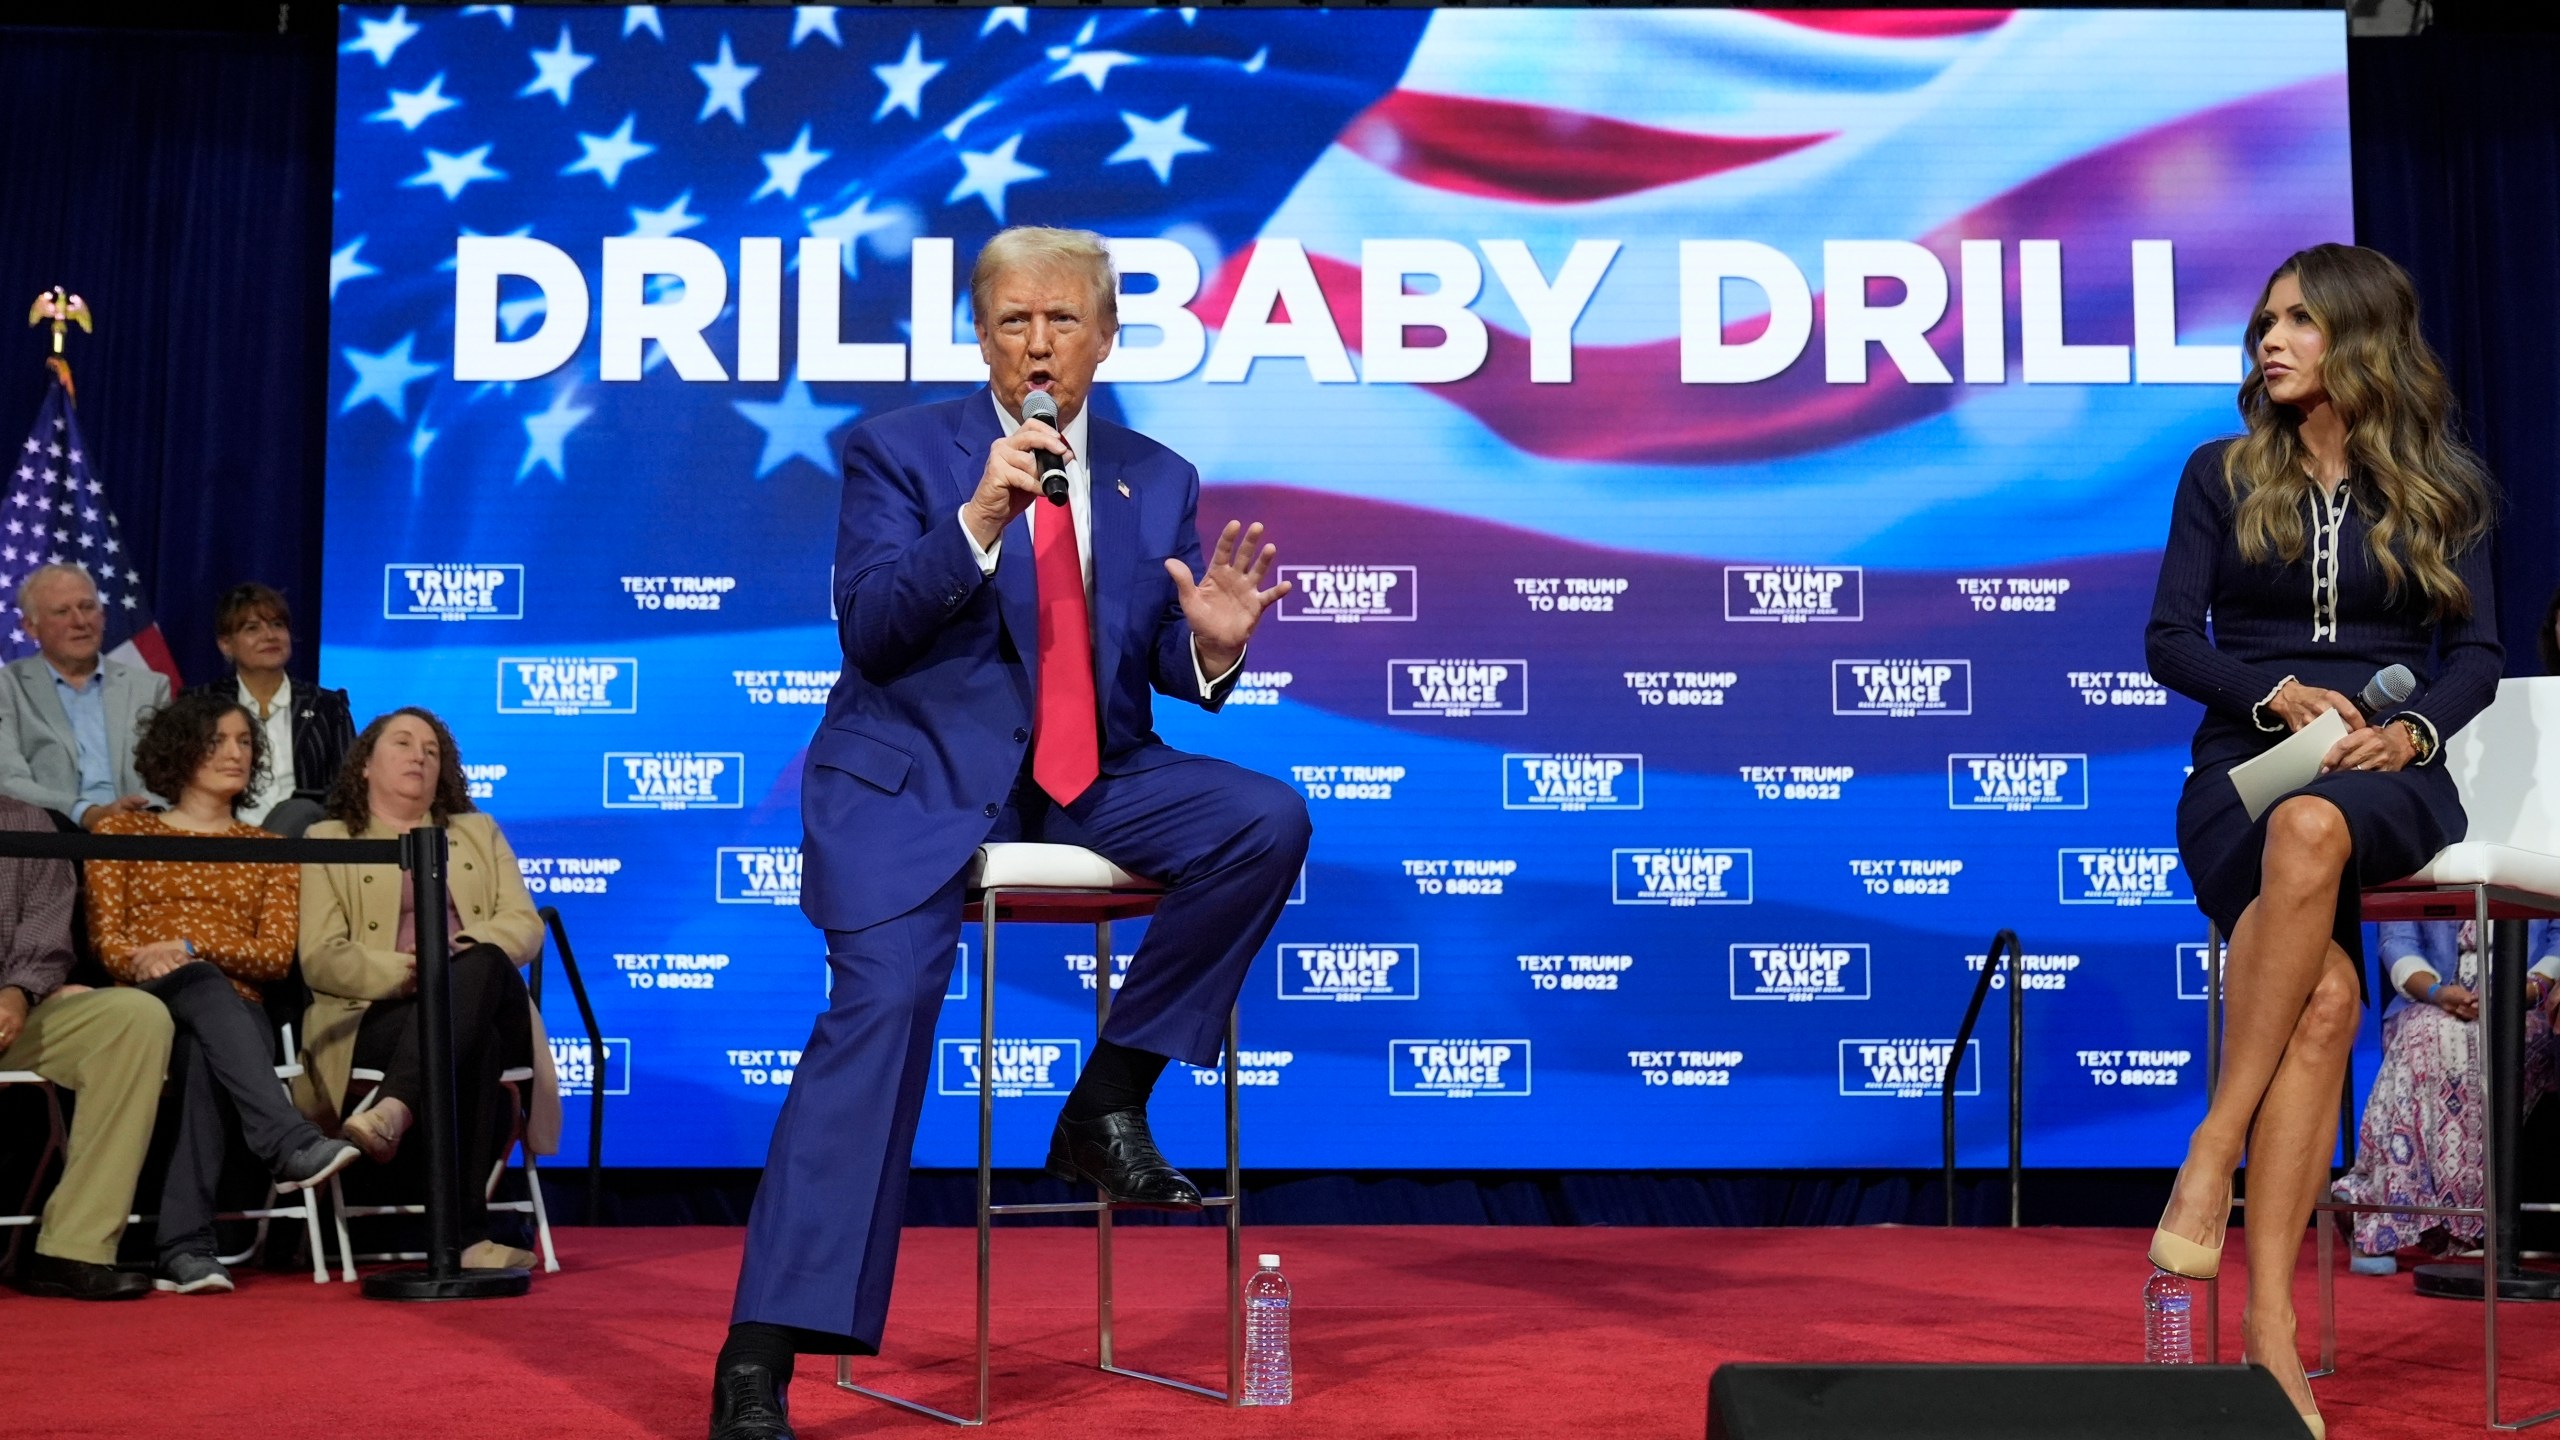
<point x="1722" y="456"/>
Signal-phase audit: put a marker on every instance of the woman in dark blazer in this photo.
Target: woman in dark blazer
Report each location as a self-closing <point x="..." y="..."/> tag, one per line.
<point x="2347" y="530"/>
<point x="308" y="729"/>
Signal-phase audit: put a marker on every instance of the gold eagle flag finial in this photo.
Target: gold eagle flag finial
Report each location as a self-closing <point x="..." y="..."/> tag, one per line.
<point x="64" y="310"/>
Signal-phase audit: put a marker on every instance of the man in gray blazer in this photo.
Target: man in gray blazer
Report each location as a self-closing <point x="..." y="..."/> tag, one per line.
<point x="68" y="715"/>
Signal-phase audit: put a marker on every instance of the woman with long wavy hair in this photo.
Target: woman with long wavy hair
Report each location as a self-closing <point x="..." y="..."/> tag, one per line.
<point x="2347" y="530"/>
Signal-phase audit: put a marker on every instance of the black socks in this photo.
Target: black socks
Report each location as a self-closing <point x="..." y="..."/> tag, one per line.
<point x="751" y="1343"/>
<point x="1116" y="1078"/>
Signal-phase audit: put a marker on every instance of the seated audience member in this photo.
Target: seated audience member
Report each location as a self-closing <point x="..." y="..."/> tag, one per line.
<point x="108" y="1047"/>
<point x="68" y="715"/>
<point x="308" y="729"/>
<point x="2420" y="1140"/>
<point x="202" y="937"/>
<point x="359" y="955"/>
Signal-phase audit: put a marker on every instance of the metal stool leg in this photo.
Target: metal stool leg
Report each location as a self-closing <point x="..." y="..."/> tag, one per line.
<point x="1103" y="968"/>
<point x="2213" y="1082"/>
<point x="986" y="1190"/>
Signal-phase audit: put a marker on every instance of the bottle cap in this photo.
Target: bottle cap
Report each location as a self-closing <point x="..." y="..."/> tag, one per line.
<point x="1270" y="1262"/>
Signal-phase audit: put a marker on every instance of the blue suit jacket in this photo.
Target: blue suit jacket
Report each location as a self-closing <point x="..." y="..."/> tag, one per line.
<point x="930" y="722"/>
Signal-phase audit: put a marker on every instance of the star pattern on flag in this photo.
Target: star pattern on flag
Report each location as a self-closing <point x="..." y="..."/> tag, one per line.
<point x="382" y="39"/>
<point x="808" y="20"/>
<point x="988" y="174"/>
<point x="1017" y="16"/>
<point x="1157" y="142"/>
<point x="796" y="427"/>
<point x="451" y="173"/>
<point x="385" y="376"/>
<point x="556" y="70"/>
<point x="58" y="514"/>
<point x="850" y="224"/>
<point x="506" y="14"/>
<point x="607" y="154"/>
<point x="906" y="80"/>
<point x="725" y="85"/>
<point x="636" y="18"/>
<point x="1093" y="66"/>
<point x="547" y="431"/>
<point x="344" y="266"/>
<point x="785" y="169"/>
<point x="413" y="108"/>
<point x="674" y="220"/>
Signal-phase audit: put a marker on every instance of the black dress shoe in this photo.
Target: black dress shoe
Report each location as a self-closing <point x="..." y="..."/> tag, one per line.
<point x="1117" y="1154"/>
<point x="58" y="1279"/>
<point x="746" y="1404"/>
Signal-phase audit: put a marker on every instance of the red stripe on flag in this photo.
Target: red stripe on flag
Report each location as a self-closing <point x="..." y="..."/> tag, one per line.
<point x="1627" y="402"/>
<point x="1894" y="24"/>
<point x="154" y="649"/>
<point x="1539" y="155"/>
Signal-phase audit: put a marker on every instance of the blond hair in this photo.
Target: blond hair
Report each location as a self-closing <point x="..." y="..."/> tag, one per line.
<point x="1044" y="247"/>
<point x="2437" y="498"/>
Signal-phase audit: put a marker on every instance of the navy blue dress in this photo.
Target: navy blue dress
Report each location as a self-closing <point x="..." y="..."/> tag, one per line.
<point x="2225" y="633"/>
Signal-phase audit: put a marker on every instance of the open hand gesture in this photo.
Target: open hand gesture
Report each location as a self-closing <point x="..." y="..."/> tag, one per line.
<point x="1228" y="602"/>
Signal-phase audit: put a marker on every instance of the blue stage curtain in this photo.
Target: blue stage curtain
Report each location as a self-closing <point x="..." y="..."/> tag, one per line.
<point x="2457" y="169"/>
<point x="180" y="182"/>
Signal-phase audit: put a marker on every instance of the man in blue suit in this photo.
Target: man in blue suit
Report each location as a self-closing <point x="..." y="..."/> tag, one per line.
<point x="999" y="653"/>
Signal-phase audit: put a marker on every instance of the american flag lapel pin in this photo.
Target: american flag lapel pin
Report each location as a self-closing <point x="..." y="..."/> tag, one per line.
<point x="1122" y="486"/>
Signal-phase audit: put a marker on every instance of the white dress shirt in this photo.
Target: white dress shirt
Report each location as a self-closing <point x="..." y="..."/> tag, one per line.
<point x="278" y="785"/>
<point x="1080" y="512"/>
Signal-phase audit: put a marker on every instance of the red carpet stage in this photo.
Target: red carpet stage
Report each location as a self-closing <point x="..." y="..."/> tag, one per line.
<point x="1402" y="1332"/>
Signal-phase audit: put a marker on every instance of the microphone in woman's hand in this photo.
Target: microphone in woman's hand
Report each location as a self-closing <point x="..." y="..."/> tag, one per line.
<point x="2388" y="687"/>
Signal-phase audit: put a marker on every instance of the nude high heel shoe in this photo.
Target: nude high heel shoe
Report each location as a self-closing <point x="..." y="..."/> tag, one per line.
<point x="2181" y="1256"/>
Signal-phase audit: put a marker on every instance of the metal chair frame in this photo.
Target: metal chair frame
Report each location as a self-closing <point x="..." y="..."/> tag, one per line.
<point x="307" y="1211"/>
<point x="515" y="1079"/>
<point x="29" y="1217"/>
<point x="2439" y="902"/>
<point x="1042" y="904"/>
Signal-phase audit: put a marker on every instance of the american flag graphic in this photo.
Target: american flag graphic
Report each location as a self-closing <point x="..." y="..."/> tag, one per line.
<point x="58" y="514"/>
<point x="1613" y="552"/>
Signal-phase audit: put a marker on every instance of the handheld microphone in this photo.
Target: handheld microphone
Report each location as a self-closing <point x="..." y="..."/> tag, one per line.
<point x="1053" y="467"/>
<point x="2388" y="687"/>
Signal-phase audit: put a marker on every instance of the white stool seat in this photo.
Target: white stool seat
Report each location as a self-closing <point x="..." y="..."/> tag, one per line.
<point x="1020" y="864"/>
<point x="2473" y="862"/>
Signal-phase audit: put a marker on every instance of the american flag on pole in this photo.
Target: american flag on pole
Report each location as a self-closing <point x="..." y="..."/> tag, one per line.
<point x="57" y="513"/>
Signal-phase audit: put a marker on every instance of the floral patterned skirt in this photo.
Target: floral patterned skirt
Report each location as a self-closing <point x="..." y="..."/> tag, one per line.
<point x="2420" y="1140"/>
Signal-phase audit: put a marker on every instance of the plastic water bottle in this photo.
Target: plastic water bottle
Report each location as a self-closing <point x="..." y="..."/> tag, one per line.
<point x="2168" y="1330"/>
<point x="1266" y="1335"/>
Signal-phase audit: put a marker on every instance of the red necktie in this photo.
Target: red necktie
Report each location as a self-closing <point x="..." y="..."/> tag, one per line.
<point x="1066" y="749"/>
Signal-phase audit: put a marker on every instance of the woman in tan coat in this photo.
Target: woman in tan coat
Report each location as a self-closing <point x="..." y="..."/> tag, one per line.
<point x="359" y="956"/>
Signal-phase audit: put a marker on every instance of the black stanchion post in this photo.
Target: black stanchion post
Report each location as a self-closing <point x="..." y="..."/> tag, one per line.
<point x="442" y="1277"/>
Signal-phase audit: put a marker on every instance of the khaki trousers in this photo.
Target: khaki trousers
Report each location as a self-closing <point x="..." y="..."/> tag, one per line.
<point x="111" y="1048"/>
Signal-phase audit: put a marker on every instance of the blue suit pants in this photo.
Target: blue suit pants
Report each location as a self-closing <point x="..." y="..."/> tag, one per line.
<point x="822" y="1240"/>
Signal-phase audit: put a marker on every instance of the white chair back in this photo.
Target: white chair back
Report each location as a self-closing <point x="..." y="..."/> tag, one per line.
<point x="2506" y="764"/>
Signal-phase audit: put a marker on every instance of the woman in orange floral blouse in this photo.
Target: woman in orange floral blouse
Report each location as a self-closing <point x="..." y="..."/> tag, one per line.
<point x="203" y="937"/>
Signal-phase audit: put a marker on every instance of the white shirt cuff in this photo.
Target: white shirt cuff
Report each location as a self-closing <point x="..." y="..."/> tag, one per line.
<point x="2548" y="967"/>
<point x="2402" y="970"/>
<point x="986" y="553"/>
<point x="1208" y="686"/>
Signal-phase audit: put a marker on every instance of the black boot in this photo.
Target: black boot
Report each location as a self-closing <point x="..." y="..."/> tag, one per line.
<point x="749" y="1403"/>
